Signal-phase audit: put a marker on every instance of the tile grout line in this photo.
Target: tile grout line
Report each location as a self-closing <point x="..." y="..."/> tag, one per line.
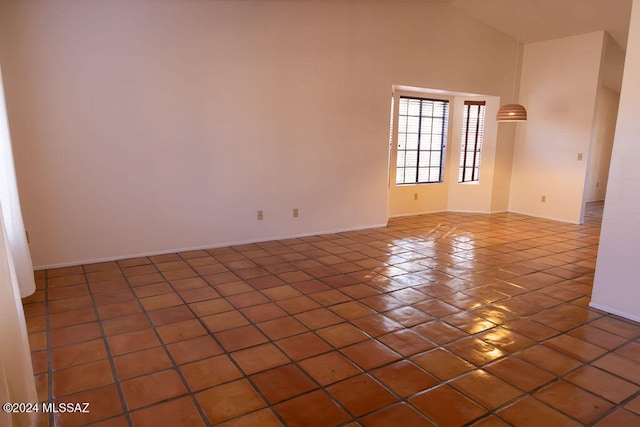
<point x="110" y="357"/>
<point x="295" y="363"/>
<point x="273" y="342"/>
<point x="49" y="346"/>
<point x="226" y="353"/>
<point x="333" y="348"/>
<point x="370" y="337"/>
<point x="163" y="345"/>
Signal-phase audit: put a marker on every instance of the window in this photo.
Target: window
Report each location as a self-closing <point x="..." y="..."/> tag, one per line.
<point x="472" y="133"/>
<point x="422" y="136"/>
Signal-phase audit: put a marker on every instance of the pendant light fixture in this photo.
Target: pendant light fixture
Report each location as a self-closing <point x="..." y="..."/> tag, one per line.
<point x="514" y="112"/>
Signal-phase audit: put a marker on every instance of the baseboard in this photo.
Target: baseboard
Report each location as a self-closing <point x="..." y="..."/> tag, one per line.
<point x="416" y="214"/>
<point x="477" y="212"/>
<point x="210" y="246"/>
<point x="616" y="312"/>
<point x="545" y="217"/>
<point x="448" y="210"/>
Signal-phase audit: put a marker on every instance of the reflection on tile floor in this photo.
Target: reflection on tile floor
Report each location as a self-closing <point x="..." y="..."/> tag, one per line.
<point x="443" y="319"/>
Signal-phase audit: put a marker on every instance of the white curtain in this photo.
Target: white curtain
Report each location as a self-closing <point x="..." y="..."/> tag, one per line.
<point x="17" y="383"/>
<point x="11" y="211"/>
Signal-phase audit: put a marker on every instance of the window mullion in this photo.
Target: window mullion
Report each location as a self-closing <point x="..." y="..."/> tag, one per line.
<point x="475" y="148"/>
<point x="445" y="112"/>
<point x="466" y="142"/>
<point x="419" y="141"/>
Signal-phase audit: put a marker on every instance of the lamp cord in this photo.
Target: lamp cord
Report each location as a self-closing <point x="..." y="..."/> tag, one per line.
<point x="515" y="68"/>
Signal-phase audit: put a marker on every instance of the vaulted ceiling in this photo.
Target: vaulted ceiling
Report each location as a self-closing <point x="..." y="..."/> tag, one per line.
<point x="540" y="20"/>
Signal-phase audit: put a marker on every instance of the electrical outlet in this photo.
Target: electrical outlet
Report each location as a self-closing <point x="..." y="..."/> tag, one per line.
<point x="543" y="199"/>
<point x="260" y="215"/>
<point x="579" y="156"/>
<point x="296" y="213"/>
<point x="597" y="184"/>
<point x="415" y="196"/>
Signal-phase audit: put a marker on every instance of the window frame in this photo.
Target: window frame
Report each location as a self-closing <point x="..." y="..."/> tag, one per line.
<point x="443" y="141"/>
<point x="478" y="142"/>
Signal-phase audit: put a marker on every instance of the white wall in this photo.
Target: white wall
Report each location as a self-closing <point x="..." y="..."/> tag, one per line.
<point x="612" y="65"/>
<point x="504" y="164"/>
<point x="558" y="87"/>
<point x="153" y="125"/>
<point x="611" y="71"/>
<point x="600" y="156"/>
<point x="616" y="287"/>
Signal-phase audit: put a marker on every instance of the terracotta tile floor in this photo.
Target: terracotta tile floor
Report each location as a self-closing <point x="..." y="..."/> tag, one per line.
<point x="443" y="319"/>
